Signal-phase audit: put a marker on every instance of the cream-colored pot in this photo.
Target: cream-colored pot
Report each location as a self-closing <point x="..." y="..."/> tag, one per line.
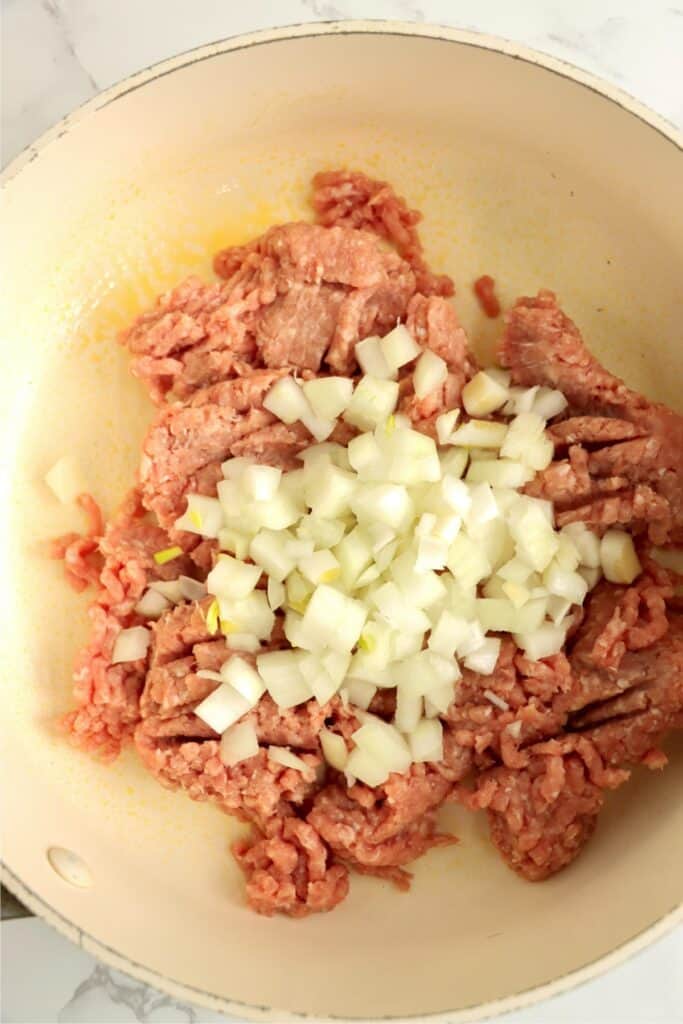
<point x="525" y="169"/>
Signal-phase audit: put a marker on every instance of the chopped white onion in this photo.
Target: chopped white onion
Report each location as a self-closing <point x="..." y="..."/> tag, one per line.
<point x="245" y="679"/>
<point x="131" y="644"/>
<point x="620" y="562"/>
<point x="152" y="604"/>
<point x="170" y="589"/>
<point x="332" y="620"/>
<point x="384" y="743"/>
<point x="222" y="708"/>
<point x="287" y="401"/>
<point x="66" y="479"/>
<point x="426" y="741"/>
<point x="360" y="692"/>
<point x="251" y="614"/>
<point x="548" y="403"/>
<point x="203" y="516"/>
<point x="484" y="659"/>
<point x="399" y="347"/>
<point x="362" y="765"/>
<point x="328" y="396"/>
<point x="372" y="361"/>
<point x="238" y="743"/>
<point x="334" y="749"/>
<point x="260" y="483"/>
<point x="372" y="402"/>
<point x="231" y="578"/>
<point x="542" y="642"/>
<point x="445" y="425"/>
<point x="480" y="434"/>
<point x="281" y="672"/>
<point x="483" y="394"/>
<point x="285" y="757"/>
<point x="429" y="374"/>
<point x="496" y="700"/>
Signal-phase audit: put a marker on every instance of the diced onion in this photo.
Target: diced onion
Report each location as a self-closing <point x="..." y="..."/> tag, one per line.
<point x="360" y="692"/>
<point x="426" y="741"/>
<point x="548" y="403"/>
<point x="480" y="434"/>
<point x="484" y="659"/>
<point x="131" y="644"/>
<point x="152" y="604"/>
<point x="332" y="620"/>
<point x="334" y="749"/>
<point x="372" y="361"/>
<point x="399" y="347"/>
<point x="328" y="396"/>
<point x="245" y="679"/>
<point x="372" y="402"/>
<point x="429" y="374"/>
<point x="542" y="642"/>
<point x="170" y="589"/>
<point x="203" y="516"/>
<point x="618" y="557"/>
<point x="287" y="401"/>
<point x="483" y="395"/>
<point x="231" y="578"/>
<point x="260" y="483"/>
<point x="66" y="479"/>
<point x="222" y="708"/>
<point x="445" y="425"/>
<point x="384" y="743"/>
<point x="288" y="759"/>
<point x="238" y="743"/>
<point x="281" y="673"/>
<point x="362" y="765"/>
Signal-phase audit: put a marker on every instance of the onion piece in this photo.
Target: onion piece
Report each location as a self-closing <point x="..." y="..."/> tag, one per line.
<point x="429" y="374"/>
<point x="260" y="483"/>
<point x="232" y="579"/>
<point x="332" y="620"/>
<point x="546" y="640"/>
<point x="152" y="604"/>
<point x="484" y="659"/>
<point x="399" y="347"/>
<point x="249" y="643"/>
<point x="287" y="401"/>
<point x="328" y="396"/>
<point x="426" y="741"/>
<point x="170" y="589"/>
<point x="334" y="749"/>
<point x="384" y="743"/>
<point x="250" y="614"/>
<point x="620" y="562"/>
<point x="331" y="493"/>
<point x="360" y="692"/>
<point x="409" y="707"/>
<point x="243" y="678"/>
<point x="483" y="394"/>
<point x="203" y="516"/>
<point x="362" y="765"/>
<point x="222" y="708"/>
<point x="238" y="743"/>
<point x="276" y="593"/>
<point x="445" y="425"/>
<point x="281" y="672"/>
<point x="131" y="645"/>
<point x="372" y="361"/>
<point x="285" y="757"/>
<point x="480" y="434"/>
<point x="372" y="402"/>
<point x="66" y="479"/>
<point x="234" y="541"/>
<point x="548" y="403"/>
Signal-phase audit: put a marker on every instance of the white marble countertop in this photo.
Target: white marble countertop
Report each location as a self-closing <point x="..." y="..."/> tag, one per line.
<point x="85" y="46"/>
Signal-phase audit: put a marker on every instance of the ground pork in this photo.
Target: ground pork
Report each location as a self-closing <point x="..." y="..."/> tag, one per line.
<point x="542" y="815"/>
<point x="352" y="199"/>
<point x="291" y="872"/>
<point x="541" y="345"/>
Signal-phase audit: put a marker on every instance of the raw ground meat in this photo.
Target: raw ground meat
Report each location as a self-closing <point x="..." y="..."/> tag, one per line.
<point x="536" y="743"/>
<point x="352" y="199"/>
<point x="541" y="345"/>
